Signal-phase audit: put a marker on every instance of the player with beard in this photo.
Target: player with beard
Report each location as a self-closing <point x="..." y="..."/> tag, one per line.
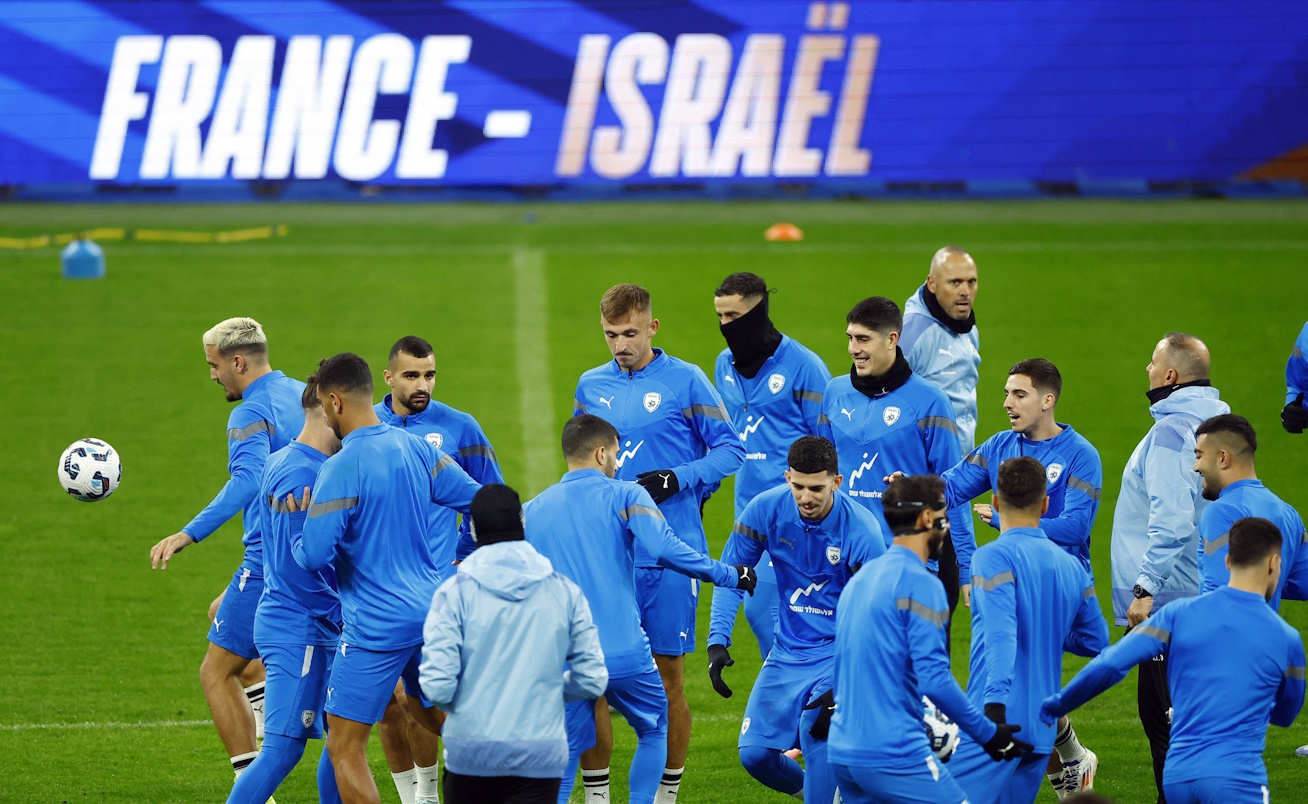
<point x="890" y="651"/>
<point x="772" y="387"/>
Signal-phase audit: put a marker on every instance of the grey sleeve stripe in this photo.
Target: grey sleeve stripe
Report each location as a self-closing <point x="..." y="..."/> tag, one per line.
<point x="1297" y="672"/>
<point x="977" y="459"/>
<point x="1304" y="537"/>
<point x="445" y="461"/>
<point x="249" y="430"/>
<point x="1161" y="634"/>
<point x="278" y="505"/>
<point x="484" y="450"/>
<point x="943" y="422"/>
<point x="808" y="396"/>
<point x="639" y="510"/>
<point x="747" y="531"/>
<point x="936" y="618"/>
<point x="1089" y="592"/>
<point x="318" y="509"/>
<point x="822" y="419"/>
<point x="990" y="584"/>
<point x="1297" y="353"/>
<point x="1077" y="483"/>
<point x="1214" y="545"/>
<point x="711" y="411"/>
<point x="578" y="405"/>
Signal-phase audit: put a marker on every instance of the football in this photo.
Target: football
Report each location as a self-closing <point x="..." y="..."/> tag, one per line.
<point x="89" y="470"/>
<point x="941" y="731"/>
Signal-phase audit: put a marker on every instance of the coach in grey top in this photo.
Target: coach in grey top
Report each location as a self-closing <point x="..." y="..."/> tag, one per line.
<point x="940" y="339"/>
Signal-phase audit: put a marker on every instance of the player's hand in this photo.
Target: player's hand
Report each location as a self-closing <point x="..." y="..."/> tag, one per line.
<point x="965" y="595"/>
<point x="719" y="657"/>
<point x="164" y="550"/>
<point x="826" y="706"/>
<point x="660" y="484"/>
<point x="746" y="578"/>
<point x="1004" y="746"/>
<point x="299" y="505"/>
<point x="986" y="512"/>
<point x="1139" y="610"/>
<point x="891" y="478"/>
<point x="1294" y="416"/>
<point x="1049" y="709"/>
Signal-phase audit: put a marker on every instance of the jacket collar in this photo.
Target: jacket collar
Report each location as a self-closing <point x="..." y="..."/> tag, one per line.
<point x="660" y="360"/>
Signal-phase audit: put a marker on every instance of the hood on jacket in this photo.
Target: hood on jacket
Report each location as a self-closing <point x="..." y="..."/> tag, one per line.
<point x="510" y="570"/>
<point x="1202" y="401"/>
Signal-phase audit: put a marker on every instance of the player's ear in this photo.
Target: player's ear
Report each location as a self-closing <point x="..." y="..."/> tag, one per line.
<point x="786" y="475"/>
<point x="653" y="327"/>
<point x="386" y="375"/>
<point x="835" y="484"/>
<point x="994" y="501"/>
<point x="924" y="520"/>
<point x="892" y="339"/>
<point x="1044" y="506"/>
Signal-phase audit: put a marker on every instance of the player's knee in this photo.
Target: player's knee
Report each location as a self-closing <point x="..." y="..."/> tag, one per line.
<point x="760" y="761"/>
<point x="285" y="751"/>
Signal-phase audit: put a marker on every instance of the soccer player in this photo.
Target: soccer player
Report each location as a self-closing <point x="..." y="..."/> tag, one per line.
<point x="890" y="651"/>
<point x="1154" y="551"/>
<point x="368" y="514"/>
<point x="1233" y="667"/>
<point x="495" y="646"/>
<point x="1294" y="416"/>
<point x="268" y="417"/>
<point x="1224" y="457"/>
<point x="677" y="441"/>
<point x="817" y="538"/>
<point x="772" y="387"/>
<point x="1032" y="601"/>
<point x="298" y="622"/>
<point x="884" y="419"/>
<point x="588" y="526"/>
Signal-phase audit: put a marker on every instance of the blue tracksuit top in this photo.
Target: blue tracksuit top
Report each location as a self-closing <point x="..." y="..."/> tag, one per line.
<point x="668" y="416"/>
<point x="1073" y="471"/>
<point x="1030" y="602"/>
<point x="458" y="435"/>
<point x="298" y="607"/>
<point x="588" y="526"/>
<point x="813" y="559"/>
<point x="369" y="515"/>
<point x="890" y="651"/>
<point x="268" y="417"/>
<point x="1241" y="499"/>
<point x="948" y="360"/>
<point x="1296" y="368"/>
<point x="909" y="430"/>
<point x="770" y="411"/>
<point x="1233" y="666"/>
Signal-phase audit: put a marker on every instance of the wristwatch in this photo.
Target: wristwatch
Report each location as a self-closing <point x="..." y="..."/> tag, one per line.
<point x="1139" y="592"/>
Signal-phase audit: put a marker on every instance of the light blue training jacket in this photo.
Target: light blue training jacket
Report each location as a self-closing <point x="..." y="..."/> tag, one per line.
<point x="946" y="359"/>
<point x="506" y="642"/>
<point x="1155" y="524"/>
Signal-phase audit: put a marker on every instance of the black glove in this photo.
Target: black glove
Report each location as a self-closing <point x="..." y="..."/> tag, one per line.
<point x="661" y="484"/>
<point x="996" y="712"/>
<point x="719" y="657"/>
<point x="1004" y="745"/>
<point x="746" y="578"/>
<point x="827" y="702"/>
<point x="1294" y="417"/>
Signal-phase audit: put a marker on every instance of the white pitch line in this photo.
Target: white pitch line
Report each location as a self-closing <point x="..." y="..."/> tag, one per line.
<point x="537" y="411"/>
<point x="140" y="724"/>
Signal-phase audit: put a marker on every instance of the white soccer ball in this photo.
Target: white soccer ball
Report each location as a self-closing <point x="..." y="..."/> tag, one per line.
<point x="89" y="470"/>
<point x="941" y="731"/>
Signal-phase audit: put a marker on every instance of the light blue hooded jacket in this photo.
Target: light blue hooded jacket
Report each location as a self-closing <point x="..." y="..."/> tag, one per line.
<point x="506" y="642"/>
<point x="946" y="359"/>
<point x="1155" y="523"/>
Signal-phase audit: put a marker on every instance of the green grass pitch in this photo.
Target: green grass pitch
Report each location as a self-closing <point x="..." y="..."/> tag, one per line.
<point x="101" y="700"/>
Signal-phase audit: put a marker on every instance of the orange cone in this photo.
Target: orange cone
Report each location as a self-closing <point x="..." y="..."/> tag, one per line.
<point x="783" y="231"/>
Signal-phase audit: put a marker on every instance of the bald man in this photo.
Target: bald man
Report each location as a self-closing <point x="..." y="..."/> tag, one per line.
<point x="1155" y="539"/>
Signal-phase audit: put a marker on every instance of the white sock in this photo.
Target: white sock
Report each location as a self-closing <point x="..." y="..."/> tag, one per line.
<point x="242" y="761"/>
<point x="255" y="693"/>
<point x="406" y="784"/>
<point x="1067" y="745"/>
<point x="669" y="786"/>
<point x="429" y="786"/>
<point x="595" y="783"/>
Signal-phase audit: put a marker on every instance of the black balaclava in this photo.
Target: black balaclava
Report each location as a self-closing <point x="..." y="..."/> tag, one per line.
<point x="496" y="515"/>
<point x="752" y="339"/>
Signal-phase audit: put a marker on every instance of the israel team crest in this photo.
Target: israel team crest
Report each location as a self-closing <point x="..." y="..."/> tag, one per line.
<point x="652" y="400"/>
<point x="776" y="382"/>
<point x="306" y="717"/>
<point x="435" y="439"/>
<point x="1054" y="471"/>
<point x="890" y="415"/>
<point x="833" y="554"/>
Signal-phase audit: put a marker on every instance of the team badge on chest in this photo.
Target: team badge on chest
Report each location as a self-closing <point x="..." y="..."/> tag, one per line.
<point x="833" y="554"/>
<point x="776" y="382"/>
<point x="890" y="415"/>
<point x="652" y="400"/>
<point x="1054" y="471"/>
<point x="435" y="439"/>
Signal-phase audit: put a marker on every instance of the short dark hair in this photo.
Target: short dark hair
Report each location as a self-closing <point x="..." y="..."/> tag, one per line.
<point x="586" y="433"/>
<point x="1234" y="425"/>
<point x="410" y="345"/>
<point x="309" y="399"/>
<point x="878" y="314"/>
<point x="1021" y="482"/>
<point x="813" y="454"/>
<point x="743" y="284"/>
<point x="1252" y="539"/>
<point x="1042" y="373"/>
<point x="345" y="373"/>
<point x="907" y="497"/>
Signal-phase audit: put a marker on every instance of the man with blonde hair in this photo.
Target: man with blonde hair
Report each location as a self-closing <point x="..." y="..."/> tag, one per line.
<point x="268" y="417"/>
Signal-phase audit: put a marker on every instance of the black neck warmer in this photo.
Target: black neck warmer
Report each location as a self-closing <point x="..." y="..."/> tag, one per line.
<point x="1157" y="395"/>
<point x="752" y="339"/>
<point x="933" y="305"/>
<point x="880" y="384"/>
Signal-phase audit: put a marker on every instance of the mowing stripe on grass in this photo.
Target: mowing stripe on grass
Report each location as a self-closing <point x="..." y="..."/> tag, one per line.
<point x="537" y="409"/>
<point x="140" y="724"/>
